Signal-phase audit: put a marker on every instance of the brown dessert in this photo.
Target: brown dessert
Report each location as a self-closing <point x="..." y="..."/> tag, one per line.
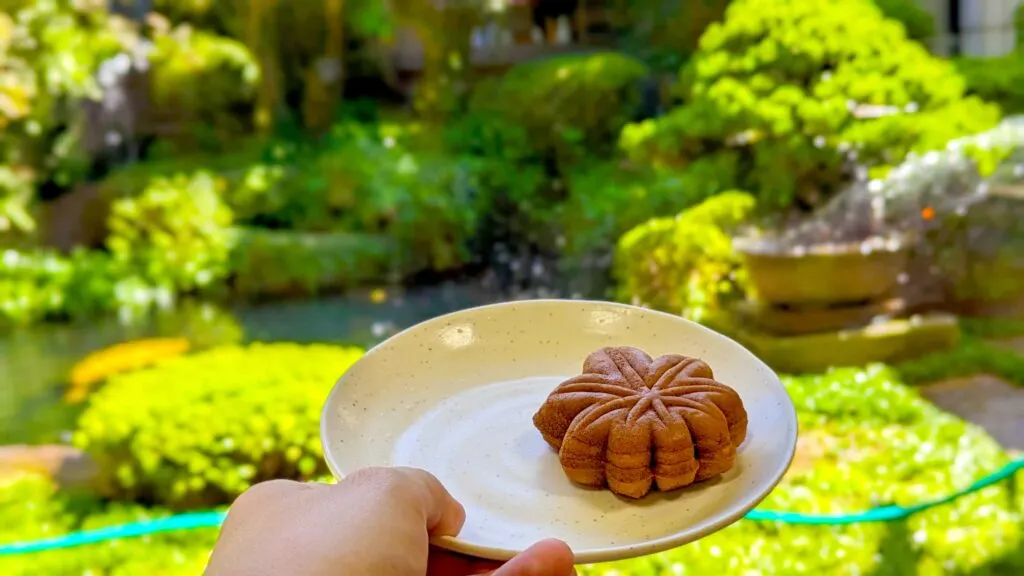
<point x="630" y="422"/>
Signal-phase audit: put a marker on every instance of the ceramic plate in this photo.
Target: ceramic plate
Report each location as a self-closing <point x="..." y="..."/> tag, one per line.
<point x="455" y="396"/>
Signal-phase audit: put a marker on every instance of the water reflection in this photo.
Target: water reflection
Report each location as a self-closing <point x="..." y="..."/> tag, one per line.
<point x="34" y="363"/>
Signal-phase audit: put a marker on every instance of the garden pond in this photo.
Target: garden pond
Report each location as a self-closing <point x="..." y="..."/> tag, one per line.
<point x="37" y="361"/>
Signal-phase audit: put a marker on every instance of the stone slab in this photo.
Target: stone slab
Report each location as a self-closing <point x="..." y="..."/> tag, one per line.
<point x="987" y="401"/>
<point x="891" y="341"/>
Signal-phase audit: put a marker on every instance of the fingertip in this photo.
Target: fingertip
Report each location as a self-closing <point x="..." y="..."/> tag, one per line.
<point x="452" y="518"/>
<point x="445" y="515"/>
<point x="549" y="557"/>
<point x="558" y="555"/>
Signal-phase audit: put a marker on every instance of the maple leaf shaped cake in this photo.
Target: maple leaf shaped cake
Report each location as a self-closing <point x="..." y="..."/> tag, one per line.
<point x="630" y="422"/>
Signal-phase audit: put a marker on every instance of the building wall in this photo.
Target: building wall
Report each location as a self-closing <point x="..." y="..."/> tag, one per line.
<point x="986" y="26"/>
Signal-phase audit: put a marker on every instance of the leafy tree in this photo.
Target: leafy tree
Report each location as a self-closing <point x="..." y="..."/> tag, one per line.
<point x="795" y="88"/>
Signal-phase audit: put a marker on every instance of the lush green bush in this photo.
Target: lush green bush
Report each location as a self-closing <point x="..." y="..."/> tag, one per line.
<point x="176" y="234"/>
<point x="973" y="356"/>
<point x="38" y="285"/>
<point x="866" y="441"/>
<point x="285" y="263"/>
<point x="918" y="22"/>
<point x="203" y="83"/>
<point x="793" y="87"/>
<point x="998" y="79"/>
<point x="198" y="430"/>
<point x="31" y="285"/>
<point x="992" y="327"/>
<point x="685" y="264"/>
<point x="367" y="178"/>
<point x="605" y="200"/>
<point x="663" y="33"/>
<point x="50" y="52"/>
<point x="568" y="105"/>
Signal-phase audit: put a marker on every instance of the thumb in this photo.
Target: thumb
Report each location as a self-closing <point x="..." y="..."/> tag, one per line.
<point x="545" y="558"/>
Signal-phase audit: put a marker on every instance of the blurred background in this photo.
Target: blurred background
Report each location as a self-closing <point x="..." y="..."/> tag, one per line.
<point x="210" y="208"/>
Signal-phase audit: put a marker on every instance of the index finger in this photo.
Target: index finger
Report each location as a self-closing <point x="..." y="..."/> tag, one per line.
<point x="417" y="489"/>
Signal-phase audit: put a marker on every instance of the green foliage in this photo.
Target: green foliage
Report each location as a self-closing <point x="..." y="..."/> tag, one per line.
<point x="33" y="508"/>
<point x="31" y="285"/>
<point x="175" y="234"/>
<point x="38" y="285"/>
<point x="793" y="86"/>
<point x="50" y="51"/>
<point x="866" y="441"/>
<point x="198" y="430"/>
<point x="998" y="79"/>
<point x="993" y="327"/>
<point x="606" y="200"/>
<point x="973" y="356"/>
<point x="870" y="394"/>
<point x="685" y="264"/>
<point x="566" y="104"/>
<point x="370" y="178"/>
<point x="172" y="238"/>
<point x="202" y="80"/>
<point x="918" y="22"/>
<point x="279" y="262"/>
<point x="1018" y="25"/>
<point x="663" y="33"/>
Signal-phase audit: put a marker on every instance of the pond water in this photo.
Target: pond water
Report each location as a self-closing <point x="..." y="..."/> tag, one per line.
<point x="34" y="363"/>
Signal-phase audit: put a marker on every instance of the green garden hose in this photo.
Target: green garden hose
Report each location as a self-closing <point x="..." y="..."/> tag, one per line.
<point x="198" y="520"/>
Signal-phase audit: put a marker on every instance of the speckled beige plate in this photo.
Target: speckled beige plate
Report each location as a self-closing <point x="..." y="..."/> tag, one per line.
<point x="455" y="396"/>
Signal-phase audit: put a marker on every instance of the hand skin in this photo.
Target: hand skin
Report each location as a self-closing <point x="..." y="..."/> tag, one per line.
<point x="375" y="522"/>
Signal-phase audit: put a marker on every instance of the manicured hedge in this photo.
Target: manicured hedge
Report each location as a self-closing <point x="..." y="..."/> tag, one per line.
<point x="794" y="87"/>
<point x="198" y="430"/>
<point x="685" y="264"/>
<point x="866" y="440"/>
<point x="566" y="103"/>
<point x="287" y="263"/>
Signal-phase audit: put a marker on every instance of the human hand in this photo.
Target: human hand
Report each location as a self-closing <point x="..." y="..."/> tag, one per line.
<point x="375" y="522"/>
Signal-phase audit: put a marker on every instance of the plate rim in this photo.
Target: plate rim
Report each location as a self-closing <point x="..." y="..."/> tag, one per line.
<point x="604" y="554"/>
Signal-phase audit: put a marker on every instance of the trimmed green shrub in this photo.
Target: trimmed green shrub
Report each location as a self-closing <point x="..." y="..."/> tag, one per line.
<point x="605" y="200"/>
<point x="201" y="81"/>
<point x="32" y="508"/>
<point x="377" y="182"/>
<point x="973" y="356"/>
<point x="918" y="22"/>
<point x="280" y="262"/>
<point x="866" y="440"/>
<point x="567" y="104"/>
<point x="374" y="179"/>
<point x="51" y="53"/>
<point x="685" y="264"/>
<point x="993" y="327"/>
<point x="198" y="430"/>
<point x="31" y="285"/>
<point x="663" y="33"/>
<point x="794" y="87"/>
<point x="175" y="234"/>
<point x="37" y="285"/>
